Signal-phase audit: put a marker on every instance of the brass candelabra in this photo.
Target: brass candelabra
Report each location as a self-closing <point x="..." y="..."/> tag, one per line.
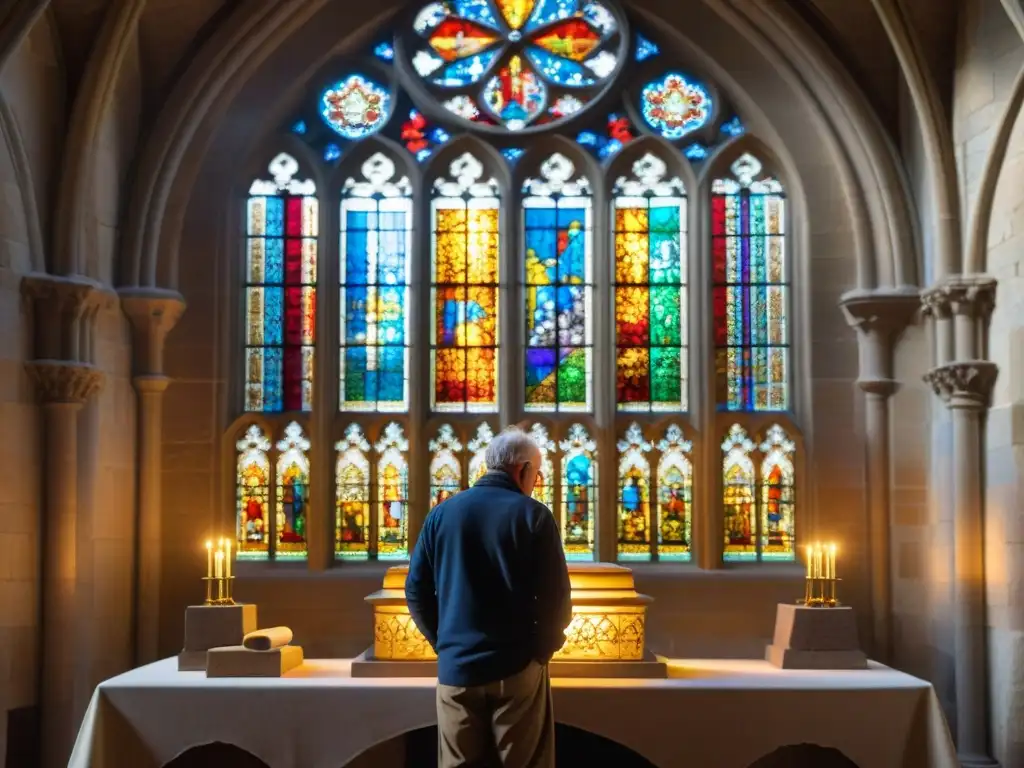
<point x="219" y="578"/>
<point x="821" y="582"/>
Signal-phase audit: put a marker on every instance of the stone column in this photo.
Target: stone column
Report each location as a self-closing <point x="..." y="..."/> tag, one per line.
<point x="152" y="313"/>
<point x="879" y="319"/>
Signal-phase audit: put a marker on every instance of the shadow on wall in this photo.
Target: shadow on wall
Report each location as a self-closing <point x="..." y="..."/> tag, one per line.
<point x="418" y="749"/>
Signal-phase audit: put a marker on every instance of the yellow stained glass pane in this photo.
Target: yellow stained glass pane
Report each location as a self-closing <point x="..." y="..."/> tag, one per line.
<point x="516" y="12"/>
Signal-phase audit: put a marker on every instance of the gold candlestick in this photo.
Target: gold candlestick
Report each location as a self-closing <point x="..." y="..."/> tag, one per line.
<point x="820" y="584"/>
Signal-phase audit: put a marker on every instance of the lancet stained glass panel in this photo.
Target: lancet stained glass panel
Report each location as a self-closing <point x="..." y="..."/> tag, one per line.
<point x="392" y="494"/>
<point x="650" y="289"/>
<point x="280" y="290"/>
<point x="558" y="288"/>
<point x="675" y="496"/>
<point x="579" y="493"/>
<point x="445" y="465"/>
<point x="544" y="490"/>
<point x="750" y="298"/>
<point x="292" y="492"/>
<point x="634" y="543"/>
<point x="778" y="502"/>
<point x="478" y="450"/>
<point x="738" y="496"/>
<point x="352" y="496"/>
<point x="252" y="484"/>
<point x="464" y="292"/>
<point x="375" y="269"/>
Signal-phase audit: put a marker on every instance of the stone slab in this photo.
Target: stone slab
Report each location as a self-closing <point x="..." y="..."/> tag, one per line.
<point x="216" y="626"/>
<point x="239" y="661"/>
<point x="815" y="629"/>
<point x="790" y="658"/>
<point x="650" y="668"/>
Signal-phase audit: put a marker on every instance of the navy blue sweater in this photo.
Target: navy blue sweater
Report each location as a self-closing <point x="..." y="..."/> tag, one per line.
<point x="488" y="585"/>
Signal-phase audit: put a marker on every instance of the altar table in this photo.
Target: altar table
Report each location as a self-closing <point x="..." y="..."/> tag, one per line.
<point x="709" y="713"/>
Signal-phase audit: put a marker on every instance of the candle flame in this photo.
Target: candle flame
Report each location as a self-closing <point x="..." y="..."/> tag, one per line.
<point x="209" y="544"/>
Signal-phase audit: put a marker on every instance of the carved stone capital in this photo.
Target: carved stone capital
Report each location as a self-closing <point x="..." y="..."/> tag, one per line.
<point x="64" y="312"/>
<point x="153" y="313"/>
<point x="961" y="295"/>
<point x="59" y="382"/>
<point x="878" y="387"/>
<point x="965" y="384"/>
<point x="879" y="318"/>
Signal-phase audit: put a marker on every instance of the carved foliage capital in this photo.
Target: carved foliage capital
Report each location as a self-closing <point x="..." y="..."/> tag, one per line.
<point x="152" y="314"/>
<point x="963" y="295"/>
<point x="883" y="315"/>
<point x="965" y="384"/>
<point x="59" y="382"/>
<point x="64" y="310"/>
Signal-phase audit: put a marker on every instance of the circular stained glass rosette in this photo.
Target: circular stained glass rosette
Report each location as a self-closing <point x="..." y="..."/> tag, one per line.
<point x="516" y="64"/>
<point x="675" y="106"/>
<point x="356" y="107"/>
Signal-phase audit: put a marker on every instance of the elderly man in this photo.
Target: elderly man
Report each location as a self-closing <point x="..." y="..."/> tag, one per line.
<point x="489" y="588"/>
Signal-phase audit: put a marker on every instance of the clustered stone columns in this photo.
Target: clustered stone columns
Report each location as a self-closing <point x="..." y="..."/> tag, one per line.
<point x="152" y="313"/>
<point x="879" y="318"/>
<point x="961" y="308"/>
<point x="64" y="312"/>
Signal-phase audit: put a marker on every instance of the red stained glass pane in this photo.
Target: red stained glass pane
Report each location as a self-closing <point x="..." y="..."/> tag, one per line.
<point x="573" y="39"/>
<point x="293" y="316"/>
<point x="293" y="374"/>
<point x="293" y="218"/>
<point x="457" y="38"/>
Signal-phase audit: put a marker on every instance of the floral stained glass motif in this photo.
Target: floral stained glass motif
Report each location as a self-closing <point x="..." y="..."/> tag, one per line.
<point x="558" y="288"/>
<point x="650" y="288"/>
<point x="777" y="496"/>
<point x="645" y="49"/>
<point x="352" y="496"/>
<point x="738" y="496"/>
<point x="535" y="54"/>
<point x="675" y="106"/>
<point x="544" y="490"/>
<point x="477" y="450"/>
<point x="579" y="493"/>
<point x="750" y="293"/>
<point x="619" y="132"/>
<point x="252" y="483"/>
<point x="675" y="496"/>
<point x="464" y="289"/>
<point x="420" y="138"/>
<point x="445" y="465"/>
<point x="292" y="492"/>
<point x="376" y="243"/>
<point x="392" y="494"/>
<point x="356" y="107"/>
<point x="634" y="496"/>
<point x="282" y="225"/>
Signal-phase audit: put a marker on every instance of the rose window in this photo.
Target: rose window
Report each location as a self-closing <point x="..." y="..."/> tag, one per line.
<point x="516" y="65"/>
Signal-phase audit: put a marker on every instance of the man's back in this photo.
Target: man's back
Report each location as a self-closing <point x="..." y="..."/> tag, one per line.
<point x="493" y="557"/>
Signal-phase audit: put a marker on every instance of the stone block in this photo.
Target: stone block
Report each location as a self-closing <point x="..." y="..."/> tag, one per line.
<point x="815" y="638"/>
<point x="237" y="661"/>
<point x="214" y="626"/>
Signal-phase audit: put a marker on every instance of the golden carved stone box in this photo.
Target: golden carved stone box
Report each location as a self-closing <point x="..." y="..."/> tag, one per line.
<point x="605" y="639"/>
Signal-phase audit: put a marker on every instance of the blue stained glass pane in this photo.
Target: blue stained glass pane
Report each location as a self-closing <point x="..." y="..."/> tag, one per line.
<point x="273" y="316"/>
<point x="331" y="153"/>
<point x="645" y="49"/>
<point x="356" y="389"/>
<point x="275" y="217"/>
<point x="275" y="260"/>
<point x="475" y="10"/>
<point x="391" y="315"/>
<point x="439" y="136"/>
<point x="466" y="71"/>
<point x="559" y="70"/>
<point x="355" y="315"/>
<point x="540" y="364"/>
<point x="609" y="149"/>
<point x="548" y="11"/>
<point x="696" y="151"/>
<point x="733" y="127"/>
<point x="422" y="155"/>
<point x="299" y="127"/>
<point x="384" y="51"/>
<point x="392" y="373"/>
<point x="588" y="139"/>
<point x="512" y="154"/>
<point x="272" y="383"/>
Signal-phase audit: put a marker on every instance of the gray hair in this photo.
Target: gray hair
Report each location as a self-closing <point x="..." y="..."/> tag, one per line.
<point x="511" y="447"/>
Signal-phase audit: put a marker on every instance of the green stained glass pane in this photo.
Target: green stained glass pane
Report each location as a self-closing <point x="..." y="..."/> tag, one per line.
<point x="666" y="375"/>
<point x="666" y="316"/>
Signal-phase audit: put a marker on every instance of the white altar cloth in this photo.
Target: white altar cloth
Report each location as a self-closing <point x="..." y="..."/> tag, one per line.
<point x="723" y="713"/>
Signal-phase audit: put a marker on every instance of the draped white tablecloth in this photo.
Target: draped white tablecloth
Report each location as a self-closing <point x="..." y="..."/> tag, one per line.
<point x="722" y="713"/>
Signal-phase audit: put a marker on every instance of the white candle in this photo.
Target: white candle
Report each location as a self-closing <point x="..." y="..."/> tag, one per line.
<point x="810" y="562"/>
<point x="227" y="557"/>
<point x="209" y="559"/>
<point x="832" y="557"/>
<point x="219" y="565"/>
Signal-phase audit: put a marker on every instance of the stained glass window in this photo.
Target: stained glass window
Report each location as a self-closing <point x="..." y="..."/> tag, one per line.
<point x="558" y="288"/>
<point x="280" y="290"/>
<point x="464" y="292"/>
<point x="650" y="289"/>
<point x="517" y="63"/>
<point x="292" y="493"/>
<point x="356" y="107"/>
<point x="750" y="294"/>
<point x="777" y="495"/>
<point x="352" y="496"/>
<point x="738" y="496"/>
<point x="477" y="450"/>
<point x="634" y="496"/>
<point x="675" y="496"/>
<point x="675" y="105"/>
<point x="252" y="484"/>
<point x="376" y="243"/>
<point x="544" y="490"/>
<point x="445" y="465"/>
<point x="392" y="494"/>
<point x="579" y="493"/>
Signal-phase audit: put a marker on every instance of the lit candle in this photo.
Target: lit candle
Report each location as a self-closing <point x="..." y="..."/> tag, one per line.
<point x="832" y="557"/>
<point x="810" y="562"/>
<point x="227" y="557"/>
<point x="219" y="565"/>
<point x="209" y="559"/>
<point x="817" y="561"/>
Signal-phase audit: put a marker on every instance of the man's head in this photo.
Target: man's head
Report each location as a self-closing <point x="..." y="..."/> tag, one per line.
<point x="516" y="454"/>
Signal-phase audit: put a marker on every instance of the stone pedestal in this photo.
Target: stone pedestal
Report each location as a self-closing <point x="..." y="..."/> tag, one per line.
<point x="213" y="626"/>
<point x="815" y="638"/>
<point x="605" y="639"/>
<point x="238" y="661"/>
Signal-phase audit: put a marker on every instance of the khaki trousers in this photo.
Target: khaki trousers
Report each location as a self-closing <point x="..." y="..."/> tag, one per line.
<point x="507" y="723"/>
